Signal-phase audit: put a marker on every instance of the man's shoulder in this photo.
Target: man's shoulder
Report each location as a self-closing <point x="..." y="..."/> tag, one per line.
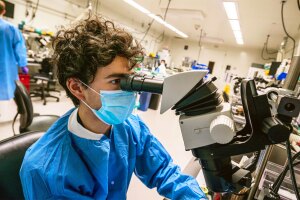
<point x="134" y="120"/>
<point x="49" y="145"/>
<point x="8" y="24"/>
<point x="137" y="125"/>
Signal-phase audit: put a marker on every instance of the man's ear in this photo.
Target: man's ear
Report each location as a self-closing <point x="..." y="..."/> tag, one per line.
<point x="76" y="88"/>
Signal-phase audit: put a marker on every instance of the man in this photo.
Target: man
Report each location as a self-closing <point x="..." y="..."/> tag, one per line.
<point x="92" y="151"/>
<point x="13" y="53"/>
<point x="161" y="69"/>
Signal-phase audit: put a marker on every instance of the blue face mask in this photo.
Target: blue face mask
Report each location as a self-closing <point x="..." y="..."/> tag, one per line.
<point x="116" y="107"/>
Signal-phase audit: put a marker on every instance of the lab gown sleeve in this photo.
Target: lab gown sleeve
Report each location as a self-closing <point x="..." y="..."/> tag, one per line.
<point x="19" y="49"/>
<point x="33" y="179"/>
<point x="154" y="167"/>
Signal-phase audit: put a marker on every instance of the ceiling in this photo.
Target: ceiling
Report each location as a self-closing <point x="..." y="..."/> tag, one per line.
<point x="258" y="18"/>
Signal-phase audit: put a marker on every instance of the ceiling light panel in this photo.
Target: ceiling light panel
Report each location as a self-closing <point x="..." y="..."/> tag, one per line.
<point x="155" y="17"/>
<point x="240" y="41"/>
<point x="137" y="6"/>
<point x="235" y="24"/>
<point x="231" y="11"/>
<point x="237" y="34"/>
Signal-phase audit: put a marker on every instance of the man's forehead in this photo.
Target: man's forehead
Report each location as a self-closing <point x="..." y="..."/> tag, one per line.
<point x="115" y="71"/>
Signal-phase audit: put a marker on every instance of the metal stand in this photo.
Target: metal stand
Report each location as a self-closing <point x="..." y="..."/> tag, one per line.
<point x="260" y="172"/>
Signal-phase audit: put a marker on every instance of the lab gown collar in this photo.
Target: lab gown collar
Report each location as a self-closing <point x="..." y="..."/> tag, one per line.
<point x="78" y="130"/>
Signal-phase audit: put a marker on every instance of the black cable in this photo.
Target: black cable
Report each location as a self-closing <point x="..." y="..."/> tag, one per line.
<point x="269" y="52"/>
<point x="199" y="44"/>
<point x="26" y="10"/>
<point x="13" y="124"/>
<point x="35" y="10"/>
<point x="148" y="29"/>
<point x="165" y="15"/>
<point x="298" y="2"/>
<point x="292" y="173"/>
<point x="282" y="20"/>
<point x="200" y="38"/>
<point x="262" y="54"/>
<point x="280" y="178"/>
<point x="162" y="36"/>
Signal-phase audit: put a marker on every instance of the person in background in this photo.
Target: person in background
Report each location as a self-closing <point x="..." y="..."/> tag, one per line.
<point x="12" y="53"/>
<point x="93" y="150"/>
<point x="161" y="69"/>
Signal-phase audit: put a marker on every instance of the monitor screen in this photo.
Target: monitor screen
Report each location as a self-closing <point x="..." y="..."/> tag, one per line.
<point x="273" y="68"/>
<point x="10" y="9"/>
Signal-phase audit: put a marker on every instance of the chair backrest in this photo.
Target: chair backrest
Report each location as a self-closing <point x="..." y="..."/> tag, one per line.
<point x="48" y="69"/>
<point x="46" y="66"/>
<point x="12" y="151"/>
<point x="24" y="104"/>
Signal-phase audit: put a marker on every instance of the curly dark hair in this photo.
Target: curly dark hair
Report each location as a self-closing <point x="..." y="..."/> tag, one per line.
<point x="92" y="43"/>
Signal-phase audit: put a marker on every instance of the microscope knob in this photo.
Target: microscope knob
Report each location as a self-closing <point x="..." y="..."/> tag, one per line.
<point x="222" y="129"/>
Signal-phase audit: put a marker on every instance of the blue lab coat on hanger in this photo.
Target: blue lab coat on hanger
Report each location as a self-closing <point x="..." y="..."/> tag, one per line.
<point x="12" y="53"/>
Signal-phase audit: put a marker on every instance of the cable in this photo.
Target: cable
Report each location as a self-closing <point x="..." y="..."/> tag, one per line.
<point x="199" y="44"/>
<point x="97" y="6"/>
<point x="165" y="15"/>
<point x="292" y="173"/>
<point x="280" y="178"/>
<point x="162" y="36"/>
<point x="282" y="20"/>
<point x="146" y="33"/>
<point x="267" y="41"/>
<point x="262" y="54"/>
<point x="35" y="10"/>
<point x="298" y="2"/>
<point x="13" y="124"/>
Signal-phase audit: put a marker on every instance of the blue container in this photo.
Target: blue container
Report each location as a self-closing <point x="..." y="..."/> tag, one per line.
<point x="144" y="101"/>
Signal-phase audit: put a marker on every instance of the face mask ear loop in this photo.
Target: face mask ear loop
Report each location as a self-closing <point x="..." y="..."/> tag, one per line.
<point x="86" y="105"/>
<point x="89" y="87"/>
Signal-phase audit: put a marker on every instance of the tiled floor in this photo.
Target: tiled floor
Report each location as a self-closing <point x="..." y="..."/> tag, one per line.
<point x="165" y="127"/>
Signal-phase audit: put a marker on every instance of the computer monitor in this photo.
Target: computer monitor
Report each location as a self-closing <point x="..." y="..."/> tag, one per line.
<point x="273" y="68"/>
<point x="10" y="9"/>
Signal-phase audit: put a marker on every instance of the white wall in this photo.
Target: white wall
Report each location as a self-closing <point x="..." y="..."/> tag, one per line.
<point x="240" y="59"/>
<point x="289" y="48"/>
<point x="52" y="15"/>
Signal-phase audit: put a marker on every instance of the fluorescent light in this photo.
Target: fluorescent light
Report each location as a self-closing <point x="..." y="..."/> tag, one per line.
<point x="155" y="17"/>
<point x="137" y="6"/>
<point x="231" y="11"/>
<point x="237" y="34"/>
<point x="235" y="24"/>
<point x="161" y="21"/>
<point x="239" y="41"/>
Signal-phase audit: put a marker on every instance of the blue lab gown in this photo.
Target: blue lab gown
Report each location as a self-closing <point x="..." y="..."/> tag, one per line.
<point x="12" y="53"/>
<point x="61" y="165"/>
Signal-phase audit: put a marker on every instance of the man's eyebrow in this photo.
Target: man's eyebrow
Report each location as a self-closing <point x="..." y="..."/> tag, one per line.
<point x="116" y="75"/>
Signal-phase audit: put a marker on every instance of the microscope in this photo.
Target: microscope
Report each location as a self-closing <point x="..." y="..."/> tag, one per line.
<point x="207" y="126"/>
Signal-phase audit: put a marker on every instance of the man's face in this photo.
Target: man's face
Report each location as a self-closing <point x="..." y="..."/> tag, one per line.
<point x="107" y="78"/>
<point x="2" y="8"/>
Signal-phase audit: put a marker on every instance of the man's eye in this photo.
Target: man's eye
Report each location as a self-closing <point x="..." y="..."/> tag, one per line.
<point x="116" y="81"/>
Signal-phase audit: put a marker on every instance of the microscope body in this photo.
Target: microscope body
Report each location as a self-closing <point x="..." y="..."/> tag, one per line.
<point x="208" y="129"/>
<point x="196" y="129"/>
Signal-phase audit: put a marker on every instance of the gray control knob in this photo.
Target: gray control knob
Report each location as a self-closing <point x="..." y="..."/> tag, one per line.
<point x="222" y="129"/>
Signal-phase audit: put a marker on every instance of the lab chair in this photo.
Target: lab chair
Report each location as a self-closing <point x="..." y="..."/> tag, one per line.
<point x="30" y="121"/>
<point x="47" y="77"/>
<point x="12" y="151"/>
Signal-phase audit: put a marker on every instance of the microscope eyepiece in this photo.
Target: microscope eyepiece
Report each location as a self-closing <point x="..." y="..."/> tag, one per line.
<point x="139" y="83"/>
